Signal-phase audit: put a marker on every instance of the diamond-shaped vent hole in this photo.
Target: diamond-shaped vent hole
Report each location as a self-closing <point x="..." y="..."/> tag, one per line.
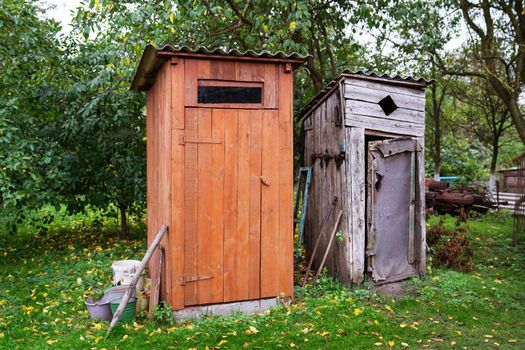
<point x="388" y="105"/>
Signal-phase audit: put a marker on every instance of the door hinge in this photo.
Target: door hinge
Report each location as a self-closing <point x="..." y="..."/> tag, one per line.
<point x="186" y="279"/>
<point x="184" y="140"/>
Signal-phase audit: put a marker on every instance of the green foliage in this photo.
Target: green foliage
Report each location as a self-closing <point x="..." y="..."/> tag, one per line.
<point x="30" y="161"/>
<point x="72" y="133"/>
<point x="450" y="247"/>
<point x="42" y="300"/>
<point x="163" y="314"/>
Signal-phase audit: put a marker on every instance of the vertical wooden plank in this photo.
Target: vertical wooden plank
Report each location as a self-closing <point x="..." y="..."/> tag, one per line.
<point x="190" y="206"/>
<point x="243" y="203"/>
<point x="270" y="261"/>
<point x="204" y="233"/>
<point x="285" y="183"/>
<point x="203" y="69"/>
<point x="190" y="81"/>
<point x="356" y="152"/>
<point x="156" y="161"/>
<point x="255" y="206"/>
<point x="176" y="229"/>
<point x="250" y="71"/>
<point x="421" y="233"/>
<point x="271" y="85"/>
<point x="177" y="94"/>
<point x="217" y="197"/>
<point x="230" y="204"/>
<point x="150" y="173"/>
<point x="165" y="175"/>
<point x="223" y="70"/>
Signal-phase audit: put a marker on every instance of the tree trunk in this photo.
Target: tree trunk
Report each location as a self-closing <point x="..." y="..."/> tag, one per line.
<point x="315" y="75"/>
<point x="493" y="164"/>
<point x="517" y="117"/>
<point x="123" y="221"/>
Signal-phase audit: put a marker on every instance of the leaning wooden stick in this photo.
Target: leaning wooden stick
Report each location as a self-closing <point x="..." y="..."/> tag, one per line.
<point x="334" y="201"/>
<point x="155" y="287"/>
<point x="328" y="246"/>
<point x="136" y="278"/>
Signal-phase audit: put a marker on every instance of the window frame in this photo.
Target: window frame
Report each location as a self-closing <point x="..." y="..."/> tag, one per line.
<point x="229" y="83"/>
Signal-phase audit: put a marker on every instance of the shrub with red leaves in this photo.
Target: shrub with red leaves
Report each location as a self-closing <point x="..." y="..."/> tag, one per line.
<point x="455" y="253"/>
<point x="450" y="248"/>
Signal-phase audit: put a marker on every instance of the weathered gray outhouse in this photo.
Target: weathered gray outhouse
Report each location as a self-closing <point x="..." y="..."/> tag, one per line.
<point x="364" y="137"/>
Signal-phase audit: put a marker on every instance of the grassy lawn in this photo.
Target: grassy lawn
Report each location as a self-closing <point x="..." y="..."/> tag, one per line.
<point x="43" y="278"/>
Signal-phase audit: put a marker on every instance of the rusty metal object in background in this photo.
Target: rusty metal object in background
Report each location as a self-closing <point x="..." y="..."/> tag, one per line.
<point x="434" y="185"/>
<point x="441" y="199"/>
<point x="457" y="198"/>
<point x="324" y="158"/>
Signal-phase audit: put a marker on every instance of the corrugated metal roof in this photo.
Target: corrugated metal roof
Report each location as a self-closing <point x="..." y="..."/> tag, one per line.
<point x="414" y="82"/>
<point x="151" y="62"/>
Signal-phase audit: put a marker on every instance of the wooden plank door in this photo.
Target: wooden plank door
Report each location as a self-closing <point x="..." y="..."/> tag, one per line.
<point x="390" y="209"/>
<point x="222" y="194"/>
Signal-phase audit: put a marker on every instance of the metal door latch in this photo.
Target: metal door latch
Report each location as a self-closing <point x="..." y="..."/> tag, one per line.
<point x="185" y="279"/>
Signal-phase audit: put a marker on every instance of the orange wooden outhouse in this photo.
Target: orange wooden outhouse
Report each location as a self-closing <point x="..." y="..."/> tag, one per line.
<point x="220" y="172"/>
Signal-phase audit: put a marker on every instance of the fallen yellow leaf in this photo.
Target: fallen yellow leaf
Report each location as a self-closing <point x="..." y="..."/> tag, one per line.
<point x="391" y="343"/>
<point x="251" y="330"/>
<point x="97" y="326"/>
<point x="51" y="342"/>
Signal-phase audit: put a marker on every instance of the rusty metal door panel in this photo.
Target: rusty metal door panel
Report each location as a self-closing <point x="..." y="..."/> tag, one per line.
<point x="390" y="209"/>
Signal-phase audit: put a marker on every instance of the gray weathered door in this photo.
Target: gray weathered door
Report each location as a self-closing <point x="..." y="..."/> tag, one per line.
<point x="390" y="209"/>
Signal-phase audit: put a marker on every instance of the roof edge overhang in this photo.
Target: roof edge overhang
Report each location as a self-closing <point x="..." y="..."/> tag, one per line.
<point x="410" y="82"/>
<point x="153" y="58"/>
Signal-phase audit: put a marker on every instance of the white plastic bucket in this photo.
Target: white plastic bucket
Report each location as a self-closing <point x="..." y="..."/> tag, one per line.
<point x="124" y="271"/>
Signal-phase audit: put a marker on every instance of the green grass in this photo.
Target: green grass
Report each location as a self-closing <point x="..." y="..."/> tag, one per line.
<point x="41" y="299"/>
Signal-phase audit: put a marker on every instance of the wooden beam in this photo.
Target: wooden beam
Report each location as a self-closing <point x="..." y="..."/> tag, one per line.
<point x="355" y="149"/>
<point x="294" y="62"/>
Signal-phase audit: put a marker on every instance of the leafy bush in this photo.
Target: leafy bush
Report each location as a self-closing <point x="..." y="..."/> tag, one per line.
<point x="163" y="314"/>
<point x="455" y="253"/>
<point x="450" y="248"/>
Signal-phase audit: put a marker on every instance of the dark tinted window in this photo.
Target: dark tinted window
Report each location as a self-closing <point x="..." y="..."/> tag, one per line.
<point x="229" y="94"/>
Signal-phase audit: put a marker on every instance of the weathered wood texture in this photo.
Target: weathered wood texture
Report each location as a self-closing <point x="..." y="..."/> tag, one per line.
<point x="323" y="137"/>
<point x="362" y="108"/>
<point x="222" y="176"/>
<point x="356" y="184"/>
<point x="158" y="131"/>
<point x="420" y="231"/>
<point x="176" y="249"/>
<point x="358" y="100"/>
